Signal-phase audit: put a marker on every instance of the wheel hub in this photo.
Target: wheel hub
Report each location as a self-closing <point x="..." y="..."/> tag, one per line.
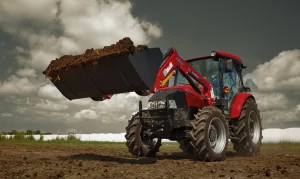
<point x="213" y="135"/>
<point x="251" y="126"/>
<point x="217" y="135"/>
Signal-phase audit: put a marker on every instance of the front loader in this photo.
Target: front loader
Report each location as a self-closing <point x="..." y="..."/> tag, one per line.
<point x="206" y="105"/>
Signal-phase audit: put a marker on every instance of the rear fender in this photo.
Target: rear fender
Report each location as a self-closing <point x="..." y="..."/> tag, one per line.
<point x="237" y="104"/>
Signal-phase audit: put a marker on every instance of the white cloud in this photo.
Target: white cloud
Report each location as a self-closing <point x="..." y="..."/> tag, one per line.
<point x="271" y="101"/>
<point x="151" y="29"/>
<point x="279" y="74"/>
<point x="105" y="22"/>
<point x="16" y="85"/>
<point x="119" y="107"/>
<point x="279" y="116"/>
<point x="50" y="106"/>
<point x="21" y="109"/>
<point x="49" y="91"/>
<point x="26" y="72"/>
<point x="6" y="114"/>
<point x="119" y="101"/>
<point x="85" y="102"/>
<point x="30" y="9"/>
<point x="20" y="49"/>
<point x="40" y="58"/>
<point x="86" y="114"/>
<point x="298" y="108"/>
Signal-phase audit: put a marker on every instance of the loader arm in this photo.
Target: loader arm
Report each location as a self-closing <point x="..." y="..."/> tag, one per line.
<point x="172" y="61"/>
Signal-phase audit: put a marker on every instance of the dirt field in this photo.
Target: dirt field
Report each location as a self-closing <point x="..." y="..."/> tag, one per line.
<point x="106" y="160"/>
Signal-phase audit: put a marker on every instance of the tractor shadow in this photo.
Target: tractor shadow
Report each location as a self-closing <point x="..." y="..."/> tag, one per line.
<point x="107" y="158"/>
<point x="137" y="160"/>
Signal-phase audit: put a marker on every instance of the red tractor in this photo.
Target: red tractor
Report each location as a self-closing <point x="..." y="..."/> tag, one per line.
<point x="206" y="105"/>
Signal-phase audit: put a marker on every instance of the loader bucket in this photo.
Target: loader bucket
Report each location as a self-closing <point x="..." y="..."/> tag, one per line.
<point x="110" y="75"/>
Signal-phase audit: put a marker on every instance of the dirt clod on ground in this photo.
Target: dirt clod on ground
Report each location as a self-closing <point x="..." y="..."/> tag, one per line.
<point x="123" y="46"/>
<point x="278" y="167"/>
<point x="268" y="172"/>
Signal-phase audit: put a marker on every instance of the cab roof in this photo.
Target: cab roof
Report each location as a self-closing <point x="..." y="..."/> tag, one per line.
<point x="222" y="54"/>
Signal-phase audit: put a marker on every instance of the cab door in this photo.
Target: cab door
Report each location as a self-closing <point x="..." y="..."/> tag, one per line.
<point x="231" y="80"/>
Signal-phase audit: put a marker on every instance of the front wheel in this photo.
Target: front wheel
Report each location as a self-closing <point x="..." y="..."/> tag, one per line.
<point x="139" y="145"/>
<point x="248" y="129"/>
<point x="209" y="135"/>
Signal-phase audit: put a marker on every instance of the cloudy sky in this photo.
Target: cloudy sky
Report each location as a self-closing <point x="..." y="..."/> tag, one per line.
<point x="32" y="33"/>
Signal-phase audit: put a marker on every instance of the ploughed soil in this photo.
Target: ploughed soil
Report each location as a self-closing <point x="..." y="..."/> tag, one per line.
<point x="91" y="56"/>
<point x="106" y="160"/>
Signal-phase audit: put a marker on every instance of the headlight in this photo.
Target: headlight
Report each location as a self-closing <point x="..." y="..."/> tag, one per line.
<point x="152" y="105"/>
<point x="162" y="104"/>
<point x="172" y="104"/>
<point x="213" y="53"/>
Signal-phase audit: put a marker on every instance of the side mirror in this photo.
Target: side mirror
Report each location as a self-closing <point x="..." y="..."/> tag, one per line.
<point x="229" y="65"/>
<point x="251" y="84"/>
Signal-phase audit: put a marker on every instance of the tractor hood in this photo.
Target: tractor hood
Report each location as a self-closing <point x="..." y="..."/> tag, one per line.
<point x="177" y="93"/>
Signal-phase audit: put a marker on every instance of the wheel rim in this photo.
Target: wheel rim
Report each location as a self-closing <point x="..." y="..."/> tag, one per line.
<point x="254" y="127"/>
<point x="217" y="135"/>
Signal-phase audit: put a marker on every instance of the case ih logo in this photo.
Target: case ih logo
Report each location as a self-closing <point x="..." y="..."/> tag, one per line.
<point x="166" y="70"/>
<point x="180" y="62"/>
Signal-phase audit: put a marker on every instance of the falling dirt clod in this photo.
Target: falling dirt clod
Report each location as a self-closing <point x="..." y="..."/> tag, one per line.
<point x="123" y="46"/>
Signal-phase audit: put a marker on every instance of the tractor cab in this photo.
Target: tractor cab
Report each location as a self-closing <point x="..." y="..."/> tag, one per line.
<point x="222" y="70"/>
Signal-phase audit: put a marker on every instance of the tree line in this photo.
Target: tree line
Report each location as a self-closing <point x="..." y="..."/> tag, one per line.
<point x="27" y="132"/>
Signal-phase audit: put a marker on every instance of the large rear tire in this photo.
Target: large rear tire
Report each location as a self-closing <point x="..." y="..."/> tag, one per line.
<point x="248" y="129"/>
<point x="209" y="135"/>
<point x="136" y="143"/>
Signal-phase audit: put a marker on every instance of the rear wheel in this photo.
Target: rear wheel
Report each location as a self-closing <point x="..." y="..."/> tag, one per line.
<point x="139" y="145"/>
<point x="209" y="135"/>
<point x="248" y="129"/>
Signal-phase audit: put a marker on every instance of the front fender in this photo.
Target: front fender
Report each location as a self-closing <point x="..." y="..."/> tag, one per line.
<point x="237" y="103"/>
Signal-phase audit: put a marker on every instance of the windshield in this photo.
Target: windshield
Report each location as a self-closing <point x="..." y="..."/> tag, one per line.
<point x="208" y="68"/>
